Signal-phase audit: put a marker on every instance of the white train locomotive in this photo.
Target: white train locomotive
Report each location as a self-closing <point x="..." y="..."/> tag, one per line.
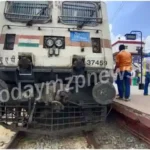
<point x="52" y="55"/>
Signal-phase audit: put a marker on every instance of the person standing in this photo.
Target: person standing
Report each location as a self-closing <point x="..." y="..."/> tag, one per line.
<point x="124" y="63"/>
<point x="137" y="74"/>
<point x="146" y="63"/>
<point x="115" y="71"/>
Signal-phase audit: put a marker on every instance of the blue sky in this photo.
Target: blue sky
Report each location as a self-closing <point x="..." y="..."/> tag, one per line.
<point x="125" y="16"/>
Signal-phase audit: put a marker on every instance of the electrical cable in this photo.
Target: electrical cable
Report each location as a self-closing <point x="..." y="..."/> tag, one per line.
<point x="117" y="12"/>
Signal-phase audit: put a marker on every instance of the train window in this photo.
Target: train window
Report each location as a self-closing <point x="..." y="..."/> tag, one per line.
<point x="24" y="11"/>
<point x="80" y="13"/>
<point x="9" y="42"/>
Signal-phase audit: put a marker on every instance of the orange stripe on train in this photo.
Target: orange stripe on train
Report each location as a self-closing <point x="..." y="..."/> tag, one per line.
<point x="29" y="36"/>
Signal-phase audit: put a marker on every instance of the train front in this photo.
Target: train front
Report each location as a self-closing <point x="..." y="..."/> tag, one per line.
<point x="55" y="65"/>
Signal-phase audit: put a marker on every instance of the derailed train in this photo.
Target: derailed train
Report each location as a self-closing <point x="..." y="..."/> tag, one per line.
<point x="54" y="57"/>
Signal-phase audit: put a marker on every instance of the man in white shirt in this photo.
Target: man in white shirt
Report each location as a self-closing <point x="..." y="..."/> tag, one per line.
<point x="146" y="63"/>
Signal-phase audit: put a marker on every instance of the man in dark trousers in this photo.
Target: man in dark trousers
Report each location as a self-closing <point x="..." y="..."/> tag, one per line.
<point x="124" y="64"/>
<point x="146" y="66"/>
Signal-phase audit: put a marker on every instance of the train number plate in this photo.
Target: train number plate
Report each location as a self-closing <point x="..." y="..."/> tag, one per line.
<point x="90" y="62"/>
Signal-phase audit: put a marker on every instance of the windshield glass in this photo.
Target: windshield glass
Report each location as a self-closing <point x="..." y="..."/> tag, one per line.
<point x="77" y="13"/>
<point x="22" y="11"/>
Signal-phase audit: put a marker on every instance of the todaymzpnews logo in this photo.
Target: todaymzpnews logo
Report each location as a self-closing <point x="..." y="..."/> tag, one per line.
<point x="37" y="90"/>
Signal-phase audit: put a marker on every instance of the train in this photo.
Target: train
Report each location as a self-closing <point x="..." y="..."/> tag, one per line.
<point x="56" y="65"/>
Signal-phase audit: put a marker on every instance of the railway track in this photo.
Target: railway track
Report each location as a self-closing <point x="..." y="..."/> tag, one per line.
<point x="13" y="143"/>
<point x="89" y="139"/>
<point x="21" y="135"/>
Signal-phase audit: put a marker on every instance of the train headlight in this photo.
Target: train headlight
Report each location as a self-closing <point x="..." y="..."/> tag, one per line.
<point x="95" y="49"/>
<point x="96" y="45"/>
<point x="49" y="43"/>
<point x="59" y="43"/>
<point x="50" y="51"/>
<point x="56" y="52"/>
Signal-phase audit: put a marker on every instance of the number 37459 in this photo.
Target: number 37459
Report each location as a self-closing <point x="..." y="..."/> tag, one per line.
<point x="96" y="62"/>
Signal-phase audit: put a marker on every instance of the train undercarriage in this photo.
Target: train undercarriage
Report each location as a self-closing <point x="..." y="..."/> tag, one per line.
<point x="46" y="101"/>
<point x="53" y="111"/>
<point x="51" y="65"/>
<point x="38" y="116"/>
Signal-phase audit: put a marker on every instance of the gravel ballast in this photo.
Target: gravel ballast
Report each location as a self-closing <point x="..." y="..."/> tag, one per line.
<point x="108" y="136"/>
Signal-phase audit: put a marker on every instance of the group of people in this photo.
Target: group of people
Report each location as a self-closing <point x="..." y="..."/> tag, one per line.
<point x="123" y="69"/>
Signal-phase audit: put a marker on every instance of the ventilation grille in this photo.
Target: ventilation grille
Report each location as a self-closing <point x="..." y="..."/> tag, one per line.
<point x="47" y="118"/>
<point x="77" y="13"/>
<point x="18" y="11"/>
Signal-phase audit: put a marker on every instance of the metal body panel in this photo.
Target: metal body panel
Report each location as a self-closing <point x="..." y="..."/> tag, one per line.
<point x="56" y="29"/>
<point x="74" y="59"/>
